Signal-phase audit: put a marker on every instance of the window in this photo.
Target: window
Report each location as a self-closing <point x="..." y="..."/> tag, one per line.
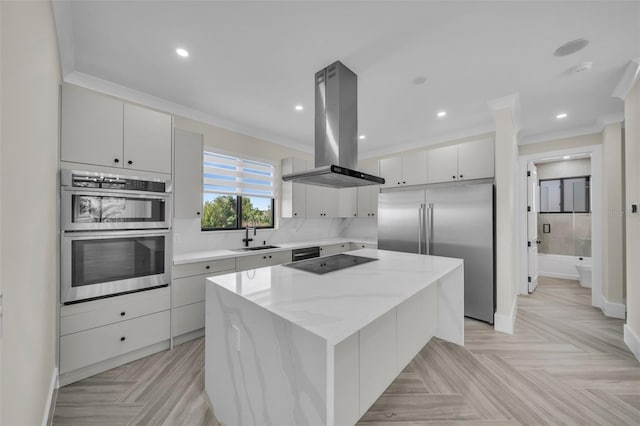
<point x="566" y="195"/>
<point x="236" y="193"/>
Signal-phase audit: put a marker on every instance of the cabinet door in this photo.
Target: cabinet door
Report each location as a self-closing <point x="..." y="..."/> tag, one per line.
<point x="391" y="171"/>
<point x="414" y="168"/>
<point x="187" y="178"/>
<point x="279" y="257"/>
<point x="147" y="139"/>
<point x="188" y="318"/>
<point x="321" y="201"/>
<point x="294" y="195"/>
<point x="255" y="261"/>
<point x="442" y="164"/>
<point x="364" y="201"/>
<point x="347" y="202"/>
<point x="91" y="128"/>
<point x="368" y="195"/>
<point x="476" y="160"/>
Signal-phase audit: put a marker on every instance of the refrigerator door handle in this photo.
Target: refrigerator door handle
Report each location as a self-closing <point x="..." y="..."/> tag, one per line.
<point x="429" y="226"/>
<point x="420" y="229"/>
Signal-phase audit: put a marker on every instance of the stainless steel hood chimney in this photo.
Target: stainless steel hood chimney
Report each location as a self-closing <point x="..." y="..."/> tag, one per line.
<point x="336" y="135"/>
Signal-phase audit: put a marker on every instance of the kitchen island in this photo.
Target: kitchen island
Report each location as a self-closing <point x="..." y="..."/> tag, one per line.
<point x="289" y="347"/>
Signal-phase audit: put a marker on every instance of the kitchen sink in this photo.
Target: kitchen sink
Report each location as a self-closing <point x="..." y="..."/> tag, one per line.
<point x="255" y="248"/>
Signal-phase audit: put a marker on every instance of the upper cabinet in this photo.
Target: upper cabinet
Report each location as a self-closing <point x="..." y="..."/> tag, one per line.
<point x="409" y="168"/>
<point x="321" y="201"/>
<point x="104" y="131"/>
<point x="187" y="177"/>
<point x="367" y="196"/>
<point x="294" y="195"/>
<point x="465" y="161"/>
<point x="347" y="202"/>
<point x="476" y="159"/>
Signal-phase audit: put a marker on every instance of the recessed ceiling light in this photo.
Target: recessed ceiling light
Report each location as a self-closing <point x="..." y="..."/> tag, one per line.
<point x="362" y="137"/>
<point x="299" y="107"/>
<point x="182" y="52"/>
<point x="561" y="116"/>
<point x="442" y="114"/>
<point x="566" y="157"/>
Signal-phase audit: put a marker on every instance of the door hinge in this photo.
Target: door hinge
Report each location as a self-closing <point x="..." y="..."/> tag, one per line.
<point x="528" y="208"/>
<point x="528" y="173"/>
<point x="529" y="279"/>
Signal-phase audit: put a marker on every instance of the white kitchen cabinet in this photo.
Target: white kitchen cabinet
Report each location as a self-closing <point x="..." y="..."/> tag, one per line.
<point x="147" y="139"/>
<point x="347" y="202"/>
<point x="476" y="159"/>
<point x="465" y="161"/>
<point x="406" y="169"/>
<point x="367" y="196"/>
<point x="261" y="260"/>
<point x="91" y="128"/>
<point x="391" y="171"/>
<point x="358" y="246"/>
<point x="294" y="195"/>
<point x="188" y="318"/>
<point x="331" y="249"/>
<point x="321" y="202"/>
<point x="378" y="366"/>
<point x="104" y="131"/>
<point x="187" y="176"/>
<point x="442" y="164"/>
<point x="211" y="267"/>
<point x="78" y="350"/>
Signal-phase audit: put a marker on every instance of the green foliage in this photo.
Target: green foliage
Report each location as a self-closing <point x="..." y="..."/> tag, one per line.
<point x="221" y="213"/>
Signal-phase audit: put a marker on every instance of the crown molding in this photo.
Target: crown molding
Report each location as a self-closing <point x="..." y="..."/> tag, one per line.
<point x="604" y="120"/>
<point x="512" y="102"/>
<point x="629" y="77"/>
<point x="597" y="127"/>
<point x="126" y="93"/>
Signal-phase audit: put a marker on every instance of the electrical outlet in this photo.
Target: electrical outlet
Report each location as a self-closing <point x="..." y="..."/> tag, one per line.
<point x="237" y="331"/>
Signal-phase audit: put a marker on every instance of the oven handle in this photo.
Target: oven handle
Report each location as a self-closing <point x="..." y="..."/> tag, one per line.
<point x="77" y="235"/>
<point x="116" y="192"/>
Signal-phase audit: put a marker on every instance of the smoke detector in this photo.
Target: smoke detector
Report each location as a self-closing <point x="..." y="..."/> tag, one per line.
<point x="571" y="47"/>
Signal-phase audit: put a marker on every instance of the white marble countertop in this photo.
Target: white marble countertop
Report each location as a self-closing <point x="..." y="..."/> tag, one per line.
<point x="337" y="304"/>
<point x="207" y="255"/>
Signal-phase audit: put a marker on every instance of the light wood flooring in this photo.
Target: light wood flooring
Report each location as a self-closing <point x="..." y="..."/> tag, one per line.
<point x="565" y="364"/>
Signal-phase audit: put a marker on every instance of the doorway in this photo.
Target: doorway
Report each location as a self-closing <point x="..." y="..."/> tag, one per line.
<point x="563" y="220"/>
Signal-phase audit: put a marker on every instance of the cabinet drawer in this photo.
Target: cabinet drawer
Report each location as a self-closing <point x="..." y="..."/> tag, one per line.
<point x="200" y="268"/>
<point x="188" y="290"/>
<point x="87" y="315"/>
<point x="334" y="249"/>
<point x="188" y="318"/>
<point x="251" y="262"/>
<point x="279" y="258"/>
<point x="98" y="344"/>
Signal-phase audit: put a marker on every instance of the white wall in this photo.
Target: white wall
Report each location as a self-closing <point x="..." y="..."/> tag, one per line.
<point x="560" y="144"/>
<point x="28" y="218"/>
<point x="564" y="168"/>
<point x="506" y="260"/>
<point x="612" y="220"/>
<point x="632" y="196"/>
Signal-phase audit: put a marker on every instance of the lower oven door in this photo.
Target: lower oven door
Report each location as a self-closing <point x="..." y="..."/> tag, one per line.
<point x="98" y="264"/>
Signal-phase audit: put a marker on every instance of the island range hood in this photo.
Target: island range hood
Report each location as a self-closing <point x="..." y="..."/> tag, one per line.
<point x="336" y="132"/>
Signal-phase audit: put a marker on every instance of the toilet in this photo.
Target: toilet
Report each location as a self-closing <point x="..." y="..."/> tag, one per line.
<point x="584" y="272"/>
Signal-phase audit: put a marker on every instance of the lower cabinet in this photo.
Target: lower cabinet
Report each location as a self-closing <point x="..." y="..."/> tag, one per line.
<point x="188" y="318"/>
<point x="358" y="246"/>
<point x="332" y="249"/>
<point x="245" y="263"/>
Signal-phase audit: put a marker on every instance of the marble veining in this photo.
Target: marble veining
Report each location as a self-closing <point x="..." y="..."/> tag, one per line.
<point x="337" y="304"/>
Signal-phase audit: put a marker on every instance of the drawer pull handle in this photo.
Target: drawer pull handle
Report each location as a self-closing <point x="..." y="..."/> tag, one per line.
<point x="207" y="267"/>
<point x="122" y="339"/>
<point x="123" y="313"/>
<point x="269" y="257"/>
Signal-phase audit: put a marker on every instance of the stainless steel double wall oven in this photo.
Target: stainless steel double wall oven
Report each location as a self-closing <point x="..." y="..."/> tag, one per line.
<point x="115" y="234"/>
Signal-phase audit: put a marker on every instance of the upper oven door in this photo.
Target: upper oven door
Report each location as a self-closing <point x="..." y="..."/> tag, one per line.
<point x="104" y="209"/>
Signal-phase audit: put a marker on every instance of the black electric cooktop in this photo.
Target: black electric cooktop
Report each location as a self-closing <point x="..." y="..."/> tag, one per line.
<point x="322" y="265"/>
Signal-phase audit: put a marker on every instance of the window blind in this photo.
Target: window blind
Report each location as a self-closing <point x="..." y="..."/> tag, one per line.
<point x="225" y="174"/>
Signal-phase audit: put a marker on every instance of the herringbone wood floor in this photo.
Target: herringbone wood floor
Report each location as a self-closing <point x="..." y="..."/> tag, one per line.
<point x="565" y="364"/>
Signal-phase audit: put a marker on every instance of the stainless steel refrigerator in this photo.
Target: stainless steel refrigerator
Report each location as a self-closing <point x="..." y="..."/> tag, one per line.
<point x="454" y="220"/>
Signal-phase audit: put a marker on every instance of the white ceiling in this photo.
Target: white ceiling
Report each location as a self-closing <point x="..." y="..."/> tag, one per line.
<point x="250" y="63"/>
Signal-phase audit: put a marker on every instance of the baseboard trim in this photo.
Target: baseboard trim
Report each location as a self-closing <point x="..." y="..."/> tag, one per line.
<point x="505" y="323"/>
<point x="632" y="341"/>
<point x="555" y="275"/>
<point x="183" y="338"/>
<point x="51" y="402"/>
<point x="613" y="310"/>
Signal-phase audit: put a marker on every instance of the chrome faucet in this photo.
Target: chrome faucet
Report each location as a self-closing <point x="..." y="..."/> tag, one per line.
<point x="246" y="238"/>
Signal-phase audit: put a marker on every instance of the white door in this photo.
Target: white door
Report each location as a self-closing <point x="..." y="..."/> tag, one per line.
<point x="532" y="225"/>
